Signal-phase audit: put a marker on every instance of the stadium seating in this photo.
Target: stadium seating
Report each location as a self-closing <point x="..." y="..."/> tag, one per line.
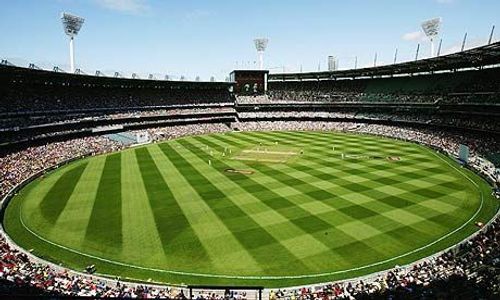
<point x="47" y="118"/>
<point x="460" y="87"/>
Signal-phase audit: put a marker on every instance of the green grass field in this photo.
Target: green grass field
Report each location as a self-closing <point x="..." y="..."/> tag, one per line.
<point x="256" y="208"/>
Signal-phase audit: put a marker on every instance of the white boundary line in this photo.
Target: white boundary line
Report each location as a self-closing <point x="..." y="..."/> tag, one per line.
<point x="270" y="277"/>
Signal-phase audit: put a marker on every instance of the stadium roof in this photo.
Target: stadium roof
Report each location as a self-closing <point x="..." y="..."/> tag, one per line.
<point x="474" y="58"/>
<point x="9" y="72"/>
<point x="479" y="57"/>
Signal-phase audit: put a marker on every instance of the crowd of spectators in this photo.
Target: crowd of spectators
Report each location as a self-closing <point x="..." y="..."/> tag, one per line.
<point x="446" y="88"/>
<point x="444" y="140"/>
<point x="11" y="122"/>
<point x="173" y="132"/>
<point x="19" y="274"/>
<point x="170" y="112"/>
<point x="140" y="122"/>
<point x="18" y="166"/>
<point x="317" y="114"/>
<point x="295" y="114"/>
<point x="157" y="118"/>
<point x="477" y="122"/>
<point x="131" y="119"/>
<point x="294" y="125"/>
<point x="318" y="96"/>
<point x="23" y="97"/>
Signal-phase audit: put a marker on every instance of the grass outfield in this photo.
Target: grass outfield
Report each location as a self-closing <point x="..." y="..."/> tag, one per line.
<point x="223" y="209"/>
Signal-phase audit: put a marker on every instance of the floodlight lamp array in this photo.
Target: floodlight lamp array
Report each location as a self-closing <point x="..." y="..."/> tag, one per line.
<point x="431" y="27"/>
<point x="72" y="24"/>
<point x="261" y="44"/>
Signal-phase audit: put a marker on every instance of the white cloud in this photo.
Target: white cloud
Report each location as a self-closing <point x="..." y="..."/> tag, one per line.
<point x="415" y="36"/>
<point x="125" y="6"/>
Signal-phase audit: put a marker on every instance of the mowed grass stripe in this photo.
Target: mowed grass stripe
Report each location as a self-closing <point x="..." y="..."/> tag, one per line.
<point x="309" y="222"/>
<point x="289" y="182"/>
<point x="351" y="142"/>
<point x="313" y="150"/>
<point x="323" y="155"/>
<point x="390" y="181"/>
<point x="299" y="180"/>
<point x="104" y="230"/>
<point x="298" y="242"/>
<point x="327" y="160"/>
<point x="361" y="231"/>
<point x="324" y="178"/>
<point x="30" y="209"/>
<point x="373" y="190"/>
<point x="355" y="212"/>
<point x="255" y="240"/>
<point x="323" y="149"/>
<point x="72" y="223"/>
<point x="218" y="241"/>
<point x="424" y="228"/>
<point x="369" y="143"/>
<point x="439" y="223"/>
<point x="411" y="163"/>
<point x="55" y="200"/>
<point x="177" y="237"/>
<point x="368" y="187"/>
<point x="321" y="145"/>
<point x="141" y="241"/>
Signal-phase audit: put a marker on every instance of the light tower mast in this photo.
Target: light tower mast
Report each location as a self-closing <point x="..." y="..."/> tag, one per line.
<point x="261" y="45"/>
<point x="431" y="29"/>
<point x="72" y="25"/>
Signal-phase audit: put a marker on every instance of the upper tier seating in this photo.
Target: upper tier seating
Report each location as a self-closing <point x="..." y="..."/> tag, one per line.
<point x="478" y="86"/>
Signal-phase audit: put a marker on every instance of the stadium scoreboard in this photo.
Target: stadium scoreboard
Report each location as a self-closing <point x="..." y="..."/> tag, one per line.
<point x="249" y="82"/>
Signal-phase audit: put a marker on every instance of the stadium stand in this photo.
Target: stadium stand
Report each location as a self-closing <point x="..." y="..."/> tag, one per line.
<point x="48" y="118"/>
<point x="51" y="91"/>
<point x="446" y="88"/>
<point x="45" y="106"/>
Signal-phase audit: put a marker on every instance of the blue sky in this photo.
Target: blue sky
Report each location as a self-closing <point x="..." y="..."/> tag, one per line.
<point x="210" y="38"/>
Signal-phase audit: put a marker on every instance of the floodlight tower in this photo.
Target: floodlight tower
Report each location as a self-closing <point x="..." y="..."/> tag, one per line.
<point x="72" y="24"/>
<point x="431" y="29"/>
<point x="261" y="45"/>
